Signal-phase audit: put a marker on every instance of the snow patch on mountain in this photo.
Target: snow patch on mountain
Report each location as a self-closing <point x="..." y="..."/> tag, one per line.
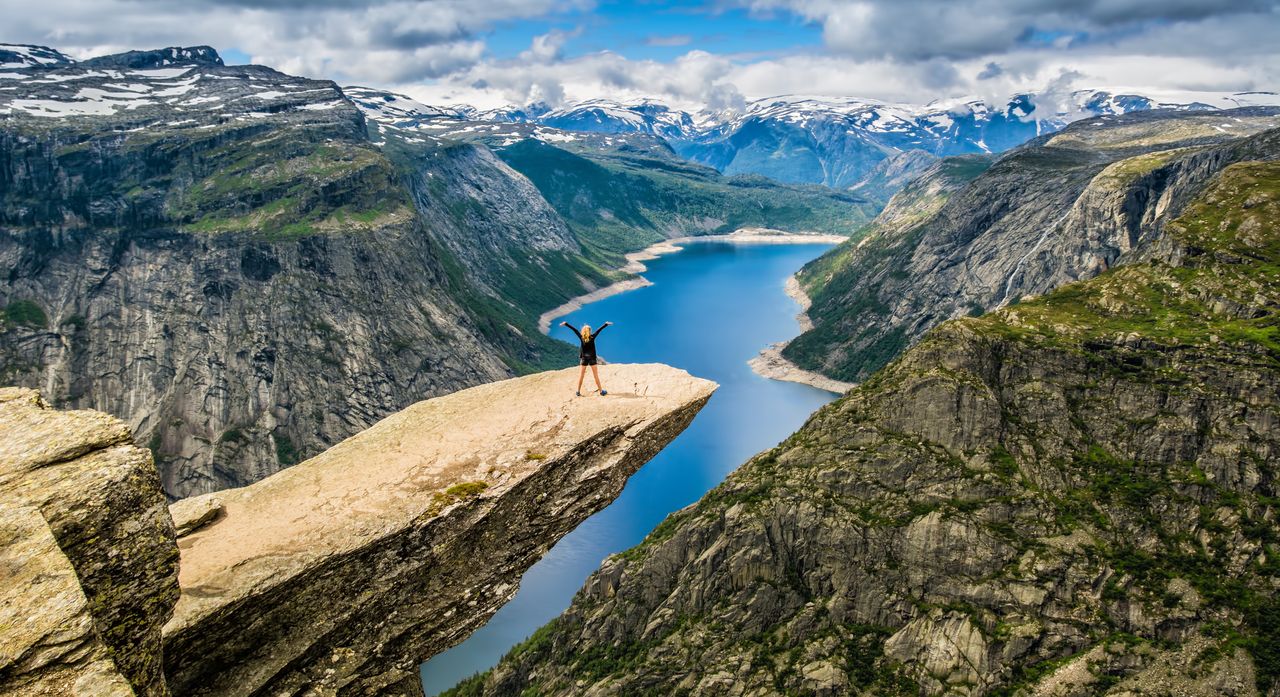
<point x="26" y="56"/>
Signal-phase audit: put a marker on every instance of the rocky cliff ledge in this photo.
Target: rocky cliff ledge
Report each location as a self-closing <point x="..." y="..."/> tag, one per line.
<point x="336" y="576"/>
<point x="88" y="564"/>
<point x="341" y="574"/>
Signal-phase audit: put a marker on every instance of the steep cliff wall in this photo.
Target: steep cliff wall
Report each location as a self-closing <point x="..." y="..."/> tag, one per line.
<point x="89" y="566"/>
<point x="221" y="256"/>
<point x="1073" y="496"/>
<point x="1061" y="208"/>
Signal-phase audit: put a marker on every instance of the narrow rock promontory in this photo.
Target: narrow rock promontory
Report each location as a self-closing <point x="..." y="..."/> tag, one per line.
<point x="341" y="574"/>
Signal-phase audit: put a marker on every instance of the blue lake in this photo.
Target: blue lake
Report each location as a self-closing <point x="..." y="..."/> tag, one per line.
<point x="711" y="308"/>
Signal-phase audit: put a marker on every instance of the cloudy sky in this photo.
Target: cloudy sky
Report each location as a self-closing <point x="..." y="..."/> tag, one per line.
<point x="714" y="53"/>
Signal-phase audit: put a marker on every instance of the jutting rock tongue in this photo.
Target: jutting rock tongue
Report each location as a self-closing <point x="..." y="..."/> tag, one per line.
<point x="343" y="573"/>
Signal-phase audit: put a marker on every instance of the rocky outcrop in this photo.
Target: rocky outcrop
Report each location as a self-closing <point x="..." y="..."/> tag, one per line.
<point x="1061" y="208"/>
<point x="337" y="576"/>
<point x="341" y="574"/>
<point x="89" y="565"/>
<point x="1075" y="495"/>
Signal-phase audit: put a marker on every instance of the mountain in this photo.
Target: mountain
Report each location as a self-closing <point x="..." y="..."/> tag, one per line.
<point x="605" y="116"/>
<point x="223" y="257"/>
<point x="27" y="56"/>
<point x="1072" y="496"/>
<point x="838" y="142"/>
<point x="397" y="109"/>
<point x="1060" y="208"/>
<point x="891" y="174"/>
<point x="618" y="189"/>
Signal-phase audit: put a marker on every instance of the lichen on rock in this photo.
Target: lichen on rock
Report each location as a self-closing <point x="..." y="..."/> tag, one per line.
<point x="89" y="531"/>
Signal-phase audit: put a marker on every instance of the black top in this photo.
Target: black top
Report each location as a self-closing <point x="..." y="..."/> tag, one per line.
<point x="587" y="348"/>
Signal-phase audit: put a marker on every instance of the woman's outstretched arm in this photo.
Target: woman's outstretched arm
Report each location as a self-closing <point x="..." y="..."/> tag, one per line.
<point x="575" y="329"/>
<point x="597" y="332"/>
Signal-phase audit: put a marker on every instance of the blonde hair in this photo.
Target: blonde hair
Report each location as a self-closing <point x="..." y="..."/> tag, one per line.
<point x="586" y="332"/>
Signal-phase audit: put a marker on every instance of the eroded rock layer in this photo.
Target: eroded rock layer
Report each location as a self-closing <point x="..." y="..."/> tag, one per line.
<point x="89" y="571"/>
<point x="341" y="574"/>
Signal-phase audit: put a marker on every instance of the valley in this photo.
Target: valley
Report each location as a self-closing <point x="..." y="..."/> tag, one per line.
<point x="1070" y="495"/>
<point x="285" y="407"/>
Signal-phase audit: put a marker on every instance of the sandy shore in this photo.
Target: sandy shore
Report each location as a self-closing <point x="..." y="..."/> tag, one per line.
<point x="635" y="263"/>
<point x="772" y="365"/>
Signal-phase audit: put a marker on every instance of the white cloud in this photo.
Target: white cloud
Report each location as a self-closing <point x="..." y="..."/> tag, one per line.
<point x="896" y="50"/>
<point x="693" y="80"/>
<point x="380" y="41"/>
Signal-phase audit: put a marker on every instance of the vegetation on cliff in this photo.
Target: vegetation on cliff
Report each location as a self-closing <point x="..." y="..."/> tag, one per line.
<point x="1073" y="495"/>
<point x="969" y="236"/>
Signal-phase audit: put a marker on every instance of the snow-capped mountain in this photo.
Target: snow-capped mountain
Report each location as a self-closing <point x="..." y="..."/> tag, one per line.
<point x="838" y="141"/>
<point x="27" y="56"/>
<point x="600" y="115"/>
<point x="413" y="121"/>
<point x="398" y="109"/>
<point x="179" y="88"/>
<point x="795" y="139"/>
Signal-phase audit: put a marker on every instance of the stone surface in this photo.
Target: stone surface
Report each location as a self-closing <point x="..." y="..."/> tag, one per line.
<point x="341" y="574"/>
<point x="194" y="513"/>
<point x="92" y="572"/>
<point x="48" y="645"/>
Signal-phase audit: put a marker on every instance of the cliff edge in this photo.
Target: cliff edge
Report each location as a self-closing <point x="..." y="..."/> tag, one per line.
<point x="343" y="573"/>
<point x="336" y="576"/>
<point x="88" y="564"/>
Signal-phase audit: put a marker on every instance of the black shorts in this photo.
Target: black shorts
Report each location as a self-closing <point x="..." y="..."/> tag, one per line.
<point x="586" y="360"/>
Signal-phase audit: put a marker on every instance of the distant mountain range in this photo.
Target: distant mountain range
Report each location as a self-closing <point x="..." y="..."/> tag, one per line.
<point x="818" y="140"/>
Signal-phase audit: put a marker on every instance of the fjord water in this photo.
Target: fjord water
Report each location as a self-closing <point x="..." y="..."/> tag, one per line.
<point x="710" y="309"/>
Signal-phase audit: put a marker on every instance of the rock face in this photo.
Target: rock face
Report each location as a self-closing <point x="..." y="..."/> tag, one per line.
<point x="619" y="192"/>
<point x="894" y="172"/>
<point x="224" y="258"/>
<point x="1061" y="208"/>
<point x="341" y="574"/>
<point x="89" y="564"/>
<point x="1076" y="495"/>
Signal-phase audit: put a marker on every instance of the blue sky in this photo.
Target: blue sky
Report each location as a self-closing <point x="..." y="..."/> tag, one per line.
<point x="697" y="54"/>
<point x="664" y="31"/>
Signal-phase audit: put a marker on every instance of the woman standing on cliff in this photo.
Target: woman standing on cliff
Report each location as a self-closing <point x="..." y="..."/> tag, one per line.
<point x="587" y="354"/>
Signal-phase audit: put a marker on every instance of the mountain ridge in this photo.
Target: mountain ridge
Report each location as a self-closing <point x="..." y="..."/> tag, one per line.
<point x="838" y="141"/>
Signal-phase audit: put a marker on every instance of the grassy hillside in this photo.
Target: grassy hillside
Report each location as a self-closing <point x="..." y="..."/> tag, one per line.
<point x="618" y="201"/>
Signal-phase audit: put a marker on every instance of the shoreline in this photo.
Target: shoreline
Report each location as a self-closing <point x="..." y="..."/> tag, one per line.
<point x="769" y="364"/>
<point x="635" y="264"/>
<point x="772" y="365"/>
